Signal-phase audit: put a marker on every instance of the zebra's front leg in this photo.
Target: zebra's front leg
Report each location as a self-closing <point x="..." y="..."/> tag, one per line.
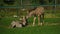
<point x="39" y="19"/>
<point x="34" y="21"/>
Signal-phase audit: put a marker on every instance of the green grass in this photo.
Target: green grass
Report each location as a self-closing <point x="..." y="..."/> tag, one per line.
<point x="50" y="18"/>
<point x="32" y="30"/>
<point x="5" y="22"/>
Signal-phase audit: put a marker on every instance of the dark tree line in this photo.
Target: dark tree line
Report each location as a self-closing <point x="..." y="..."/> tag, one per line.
<point x="30" y="2"/>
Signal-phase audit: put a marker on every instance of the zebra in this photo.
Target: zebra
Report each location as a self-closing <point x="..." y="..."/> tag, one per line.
<point x="20" y="23"/>
<point x="15" y="24"/>
<point x="38" y="11"/>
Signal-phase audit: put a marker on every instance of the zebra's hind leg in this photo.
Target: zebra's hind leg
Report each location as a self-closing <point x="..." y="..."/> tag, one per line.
<point x="14" y="26"/>
<point x="42" y="19"/>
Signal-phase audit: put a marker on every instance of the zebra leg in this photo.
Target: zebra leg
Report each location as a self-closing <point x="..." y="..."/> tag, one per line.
<point x="13" y="26"/>
<point x="39" y="19"/>
<point x="42" y="19"/>
<point x="34" y="21"/>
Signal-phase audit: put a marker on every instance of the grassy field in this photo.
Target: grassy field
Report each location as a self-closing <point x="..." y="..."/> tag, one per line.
<point x="32" y="30"/>
<point x="45" y="29"/>
<point x="50" y="16"/>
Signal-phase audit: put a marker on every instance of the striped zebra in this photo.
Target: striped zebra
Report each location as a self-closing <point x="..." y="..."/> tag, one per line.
<point x="20" y="23"/>
<point x="38" y="11"/>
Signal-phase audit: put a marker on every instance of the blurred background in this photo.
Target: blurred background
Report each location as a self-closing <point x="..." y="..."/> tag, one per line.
<point x="13" y="10"/>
